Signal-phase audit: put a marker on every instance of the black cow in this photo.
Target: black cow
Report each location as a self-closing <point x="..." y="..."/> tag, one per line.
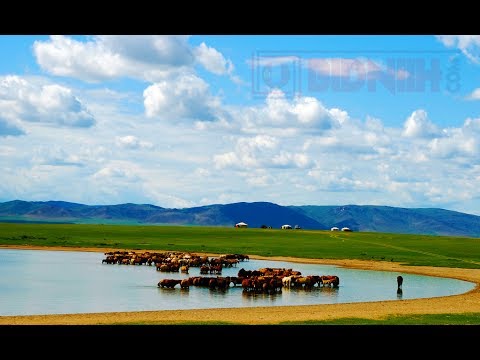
<point x="399" y="282"/>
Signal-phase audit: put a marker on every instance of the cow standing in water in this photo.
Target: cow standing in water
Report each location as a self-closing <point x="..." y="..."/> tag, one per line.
<point x="399" y="282"/>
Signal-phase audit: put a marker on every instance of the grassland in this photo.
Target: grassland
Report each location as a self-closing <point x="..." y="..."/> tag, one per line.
<point x="422" y="250"/>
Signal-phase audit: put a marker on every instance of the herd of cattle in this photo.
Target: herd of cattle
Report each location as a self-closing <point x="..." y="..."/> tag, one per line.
<point x="264" y="280"/>
<point x="175" y="261"/>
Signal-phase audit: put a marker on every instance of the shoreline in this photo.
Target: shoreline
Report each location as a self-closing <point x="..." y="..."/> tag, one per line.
<point x="461" y="303"/>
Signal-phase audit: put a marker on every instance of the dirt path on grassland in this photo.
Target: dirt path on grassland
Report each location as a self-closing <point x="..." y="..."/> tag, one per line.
<point x="462" y="303"/>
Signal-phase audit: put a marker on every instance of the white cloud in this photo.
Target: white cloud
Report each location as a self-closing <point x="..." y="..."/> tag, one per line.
<point x="474" y="95"/>
<point x="247" y="152"/>
<point x="287" y="159"/>
<point x="123" y="170"/>
<point x="35" y="100"/>
<point x="458" y="142"/>
<point x="148" y="57"/>
<point x="228" y="159"/>
<point x="259" y="178"/>
<point x="54" y="156"/>
<point x="301" y="112"/>
<point x="451" y="146"/>
<point x="165" y="61"/>
<point x="186" y="97"/>
<point x="469" y="45"/>
<point x="418" y="125"/>
<point x="171" y="50"/>
<point x="354" y="138"/>
<point x="132" y="142"/>
<point x="260" y="152"/>
<point x="213" y="60"/>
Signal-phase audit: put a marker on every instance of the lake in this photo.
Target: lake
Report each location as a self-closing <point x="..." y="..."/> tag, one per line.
<point x="35" y="282"/>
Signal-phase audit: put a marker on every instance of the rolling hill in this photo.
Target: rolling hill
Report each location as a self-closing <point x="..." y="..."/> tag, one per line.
<point x="366" y="218"/>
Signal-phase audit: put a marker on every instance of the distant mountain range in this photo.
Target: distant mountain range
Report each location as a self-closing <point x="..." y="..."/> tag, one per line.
<point x="430" y="221"/>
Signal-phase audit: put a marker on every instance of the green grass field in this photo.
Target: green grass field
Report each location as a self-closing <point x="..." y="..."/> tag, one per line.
<point x="418" y="250"/>
<point x="409" y="249"/>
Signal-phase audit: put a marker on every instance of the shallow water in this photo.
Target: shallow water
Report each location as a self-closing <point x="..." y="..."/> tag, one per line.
<point x="37" y="282"/>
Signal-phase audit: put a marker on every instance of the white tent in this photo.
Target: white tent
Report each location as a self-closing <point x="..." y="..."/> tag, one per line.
<point x="286" y="227"/>
<point x="241" y="224"/>
<point x="334" y="228"/>
<point x="346" y="229"/>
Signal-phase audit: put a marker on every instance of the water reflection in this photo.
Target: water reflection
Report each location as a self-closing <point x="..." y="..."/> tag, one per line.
<point x="252" y="298"/>
<point x="399" y="293"/>
<point x="56" y="282"/>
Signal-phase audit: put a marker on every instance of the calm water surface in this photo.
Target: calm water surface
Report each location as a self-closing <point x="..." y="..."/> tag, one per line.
<point x="66" y="282"/>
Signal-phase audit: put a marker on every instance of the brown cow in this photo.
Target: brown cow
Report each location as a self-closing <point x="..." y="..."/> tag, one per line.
<point x="330" y="280"/>
<point x="185" y="283"/>
<point x="236" y="280"/>
<point x="169" y="283"/>
<point x="247" y="284"/>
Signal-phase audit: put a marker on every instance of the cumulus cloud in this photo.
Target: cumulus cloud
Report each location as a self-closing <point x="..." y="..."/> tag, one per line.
<point x="148" y="57"/>
<point x="132" y="142"/>
<point x="260" y="152"/>
<point x="469" y="45"/>
<point x="418" y="125"/>
<point x="356" y="139"/>
<point x="338" y="180"/>
<point x="213" y="60"/>
<point x="247" y="152"/>
<point x="301" y="112"/>
<point x="167" y="62"/>
<point x="227" y="159"/>
<point x="300" y="131"/>
<point x="361" y="158"/>
<point x="35" y="100"/>
<point x="458" y="142"/>
<point x="186" y="97"/>
<point x="117" y="170"/>
<point x="287" y="159"/>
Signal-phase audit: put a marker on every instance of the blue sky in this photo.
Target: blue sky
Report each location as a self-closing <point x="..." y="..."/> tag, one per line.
<point x="182" y="121"/>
